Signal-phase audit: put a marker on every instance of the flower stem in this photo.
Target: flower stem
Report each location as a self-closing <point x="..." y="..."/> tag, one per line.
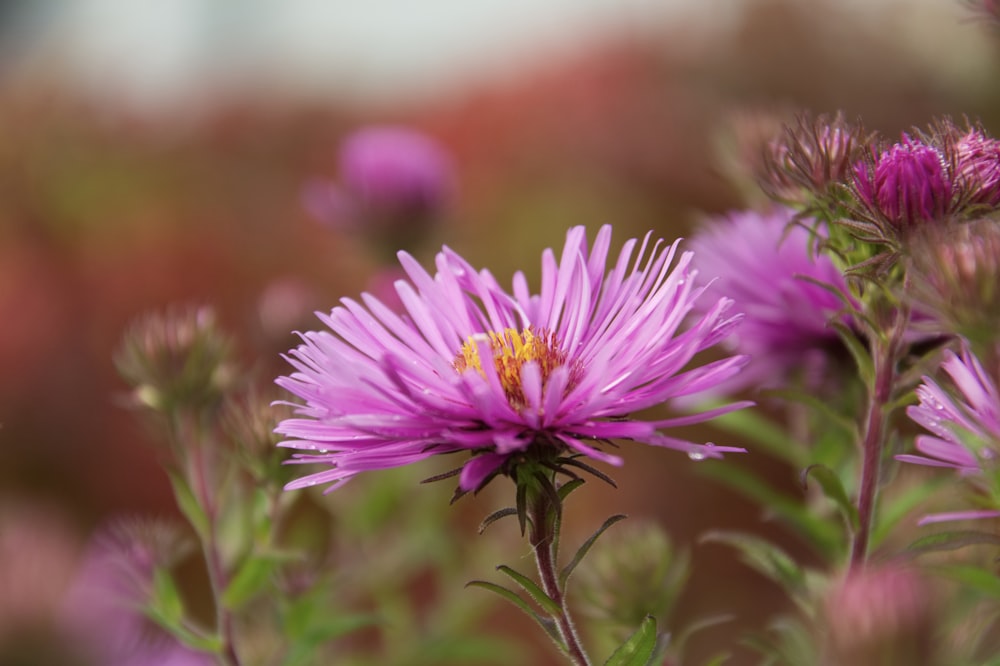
<point x="543" y="535"/>
<point x="884" y="352"/>
<point x="192" y="447"/>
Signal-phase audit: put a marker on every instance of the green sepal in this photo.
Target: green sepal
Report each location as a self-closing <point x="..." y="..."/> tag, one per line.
<point x="545" y="623"/>
<point x="638" y="650"/>
<point x="833" y="488"/>
<point x="585" y="547"/>
<point x="547" y="603"/>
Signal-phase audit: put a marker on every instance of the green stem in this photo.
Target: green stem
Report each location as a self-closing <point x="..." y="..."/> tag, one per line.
<point x="191" y="447"/>
<point x="543" y="536"/>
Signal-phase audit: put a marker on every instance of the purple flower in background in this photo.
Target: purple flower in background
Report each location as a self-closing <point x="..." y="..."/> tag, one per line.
<point x="393" y="181"/>
<point x="105" y="605"/>
<point x="965" y="428"/>
<point x="766" y="267"/>
<point x="906" y="185"/>
<point x="507" y="376"/>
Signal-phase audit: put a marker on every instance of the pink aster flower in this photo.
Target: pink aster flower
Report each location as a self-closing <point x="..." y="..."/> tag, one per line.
<point x="767" y="268"/>
<point x="965" y="428"/>
<point x="507" y="376"/>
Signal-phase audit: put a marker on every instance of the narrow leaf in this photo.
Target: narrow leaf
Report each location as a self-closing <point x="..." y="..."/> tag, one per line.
<point x="862" y="359"/>
<point x="251" y="578"/>
<point x="952" y="540"/>
<point x="189" y="505"/>
<point x="546" y="623"/>
<point x="495" y="516"/>
<point x="582" y="551"/>
<point x="547" y="603"/>
<point x="823" y="535"/>
<point x="639" y="648"/>
<point x="833" y="488"/>
<point x="568" y="487"/>
<point x="763" y="556"/>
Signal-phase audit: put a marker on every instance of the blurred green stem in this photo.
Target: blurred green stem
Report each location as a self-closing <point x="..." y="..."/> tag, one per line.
<point x="191" y="446"/>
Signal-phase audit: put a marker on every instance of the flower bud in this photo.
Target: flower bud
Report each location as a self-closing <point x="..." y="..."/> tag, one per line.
<point x="880" y="615"/>
<point x="810" y="156"/>
<point x="630" y="575"/>
<point x="176" y="359"/>
<point x="908" y="184"/>
<point x="954" y="272"/>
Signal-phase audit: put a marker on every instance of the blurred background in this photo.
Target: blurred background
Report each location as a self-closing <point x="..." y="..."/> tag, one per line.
<point x="155" y="153"/>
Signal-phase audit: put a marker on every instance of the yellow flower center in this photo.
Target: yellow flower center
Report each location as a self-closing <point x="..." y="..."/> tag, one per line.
<point x="511" y="350"/>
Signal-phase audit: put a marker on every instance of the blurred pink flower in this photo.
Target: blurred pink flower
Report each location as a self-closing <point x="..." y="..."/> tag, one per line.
<point x="766" y="267"/>
<point x="394" y="182"/>
<point x="965" y="427"/>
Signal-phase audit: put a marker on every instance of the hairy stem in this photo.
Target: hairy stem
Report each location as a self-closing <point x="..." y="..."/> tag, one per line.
<point x="542" y="536"/>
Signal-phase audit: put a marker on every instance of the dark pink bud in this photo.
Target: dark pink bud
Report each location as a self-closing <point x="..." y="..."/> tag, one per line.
<point x="908" y="184"/>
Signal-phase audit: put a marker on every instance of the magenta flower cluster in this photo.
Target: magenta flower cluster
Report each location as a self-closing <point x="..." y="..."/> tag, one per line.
<point x="926" y="179"/>
<point x="471" y="367"/>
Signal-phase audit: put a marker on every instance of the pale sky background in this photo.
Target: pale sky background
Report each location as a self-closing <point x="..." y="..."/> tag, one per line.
<point x="151" y="52"/>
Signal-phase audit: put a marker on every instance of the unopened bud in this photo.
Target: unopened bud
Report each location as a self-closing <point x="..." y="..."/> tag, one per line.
<point x="880" y="615"/>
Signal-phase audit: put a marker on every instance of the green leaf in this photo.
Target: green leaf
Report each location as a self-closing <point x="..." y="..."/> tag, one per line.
<point x="639" y="648"/>
<point x="166" y="600"/>
<point x="823" y="535"/>
<point x="834" y="490"/>
<point x="952" y="540"/>
<point x="251" y="578"/>
<point x="568" y="487"/>
<point x="764" y="557"/>
<point x="862" y="359"/>
<point x="547" y="603"/>
<point x="584" y="548"/>
<point x="980" y="580"/>
<point x="317" y="631"/>
<point x="831" y="417"/>
<point x="545" y="623"/>
<point x="894" y="508"/>
<point x="189" y="505"/>
<point x="762" y="432"/>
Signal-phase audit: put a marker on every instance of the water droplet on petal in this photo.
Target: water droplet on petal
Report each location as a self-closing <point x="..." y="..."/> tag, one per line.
<point x="696" y="455"/>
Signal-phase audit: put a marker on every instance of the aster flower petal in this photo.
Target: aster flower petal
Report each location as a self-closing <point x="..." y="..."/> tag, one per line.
<point x="468" y="366"/>
<point x="964" y="420"/>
